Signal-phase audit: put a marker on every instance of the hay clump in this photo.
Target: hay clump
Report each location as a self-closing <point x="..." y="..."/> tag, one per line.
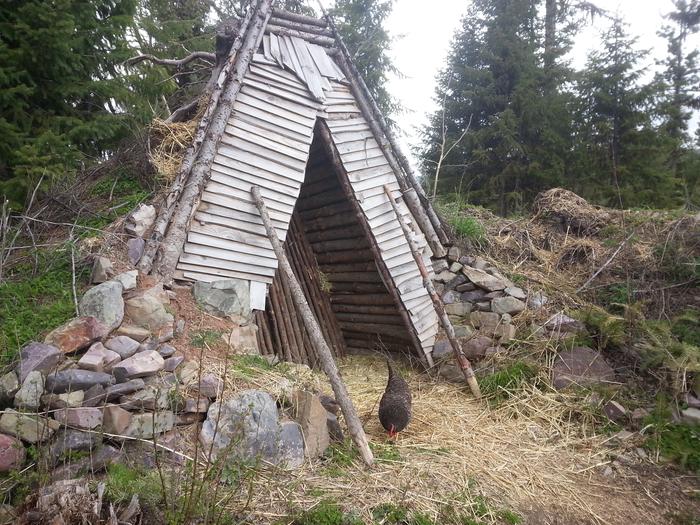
<point x="572" y="211"/>
<point x="172" y="139"/>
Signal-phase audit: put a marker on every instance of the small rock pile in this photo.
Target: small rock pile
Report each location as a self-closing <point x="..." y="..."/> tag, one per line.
<point x="112" y="374"/>
<point x="481" y="304"/>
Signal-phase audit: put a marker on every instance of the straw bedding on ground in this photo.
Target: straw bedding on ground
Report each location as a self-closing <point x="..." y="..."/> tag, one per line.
<point x="523" y="455"/>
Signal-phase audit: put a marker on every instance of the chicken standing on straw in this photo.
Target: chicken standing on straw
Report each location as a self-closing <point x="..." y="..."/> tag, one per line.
<point x="395" y="405"/>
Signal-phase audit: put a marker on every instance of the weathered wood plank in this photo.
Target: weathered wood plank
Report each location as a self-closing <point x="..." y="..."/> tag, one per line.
<point x="244" y="131"/>
<point x="267" y="115"/>
<point x="308" y="69"/>
<point x="236" y="257"/>
<point x="204" y="218"/>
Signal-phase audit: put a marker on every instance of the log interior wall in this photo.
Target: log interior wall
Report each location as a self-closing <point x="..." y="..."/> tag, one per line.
<point x="364" y="309"/>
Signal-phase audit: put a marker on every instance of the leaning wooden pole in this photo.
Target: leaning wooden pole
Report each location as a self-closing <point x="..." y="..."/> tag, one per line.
<point x="462" y="360"/>
<point x="323" y="351"/>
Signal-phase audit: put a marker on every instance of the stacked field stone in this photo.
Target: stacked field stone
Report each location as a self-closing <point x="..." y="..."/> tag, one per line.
<point x="480" y="301"/>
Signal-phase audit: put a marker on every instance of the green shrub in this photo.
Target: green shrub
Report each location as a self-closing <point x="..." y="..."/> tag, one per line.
<point x="675" y="442"/>
<point x="469" y="228"/>
<point x="123" y="482"/>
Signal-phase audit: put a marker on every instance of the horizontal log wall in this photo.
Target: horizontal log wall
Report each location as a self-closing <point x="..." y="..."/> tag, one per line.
<point x="363" y="307"/>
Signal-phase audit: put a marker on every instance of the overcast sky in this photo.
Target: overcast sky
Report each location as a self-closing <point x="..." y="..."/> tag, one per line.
<point x="427" y="32"/>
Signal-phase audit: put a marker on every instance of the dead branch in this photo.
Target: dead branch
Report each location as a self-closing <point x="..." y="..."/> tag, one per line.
<point x="605" y="264"/>
<point x="170" y="62"/>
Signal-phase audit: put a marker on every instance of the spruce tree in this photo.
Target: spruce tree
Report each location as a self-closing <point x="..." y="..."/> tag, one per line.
<point x="680" y="84"/>
<point x="619" y="153"/>
<point x="361" y="25"/>
<point x="496" y="85"/>
<point x="60" y="86"/>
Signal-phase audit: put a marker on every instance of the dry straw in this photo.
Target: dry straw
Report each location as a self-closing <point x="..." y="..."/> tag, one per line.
<point x="526" y="454"/>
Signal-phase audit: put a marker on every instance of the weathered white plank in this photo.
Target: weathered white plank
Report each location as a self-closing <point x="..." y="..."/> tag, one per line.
<point x="362" y="155"/>
<point x="288" y="76"/>
<point x="262" y="256"/>
<point x="286" y="60"/>
<point x="259" y="99"/>
<point x="275" y="50"/>
<point x="240" y="206"/>
<point x="350" y="136"/>
<point x="258" y="294"/>
<point x="240" y="191"/>
<point x="373" y="182"/>
<point x="368" y="173"/>
<point x="341" y="108"/>
<point x="266" y="114"/>
<point x="308" y="69"/>
<point x="231" y="234"/>
<point x="247" y="144"/>
<point x="266" y="48"/>
<point x="358" y="145"/>
<point x="209" y="273"/>
<point x="244" y="131"/>
<point x="289" y="46"/>
<point x="236" y="258"/>
<point x="362" y="164"/>
<point x="286" y="93"/>
<point x="253" y="174"/>
<point x="322" y="61"/>
<point x="254" y="158"/>
<point x="260" y="58"/>
<point x="224" y="176"/>
<point x="204" y="218"/>
<point x="188" y="275"/>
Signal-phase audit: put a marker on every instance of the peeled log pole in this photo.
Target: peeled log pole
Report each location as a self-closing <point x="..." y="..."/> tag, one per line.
<point x="314" y="330"/>
<point x="462" y="360"/>
<point x="171" y="246"/>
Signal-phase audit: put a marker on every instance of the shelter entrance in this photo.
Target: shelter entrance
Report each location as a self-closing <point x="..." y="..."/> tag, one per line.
<point x="331" y="255"/>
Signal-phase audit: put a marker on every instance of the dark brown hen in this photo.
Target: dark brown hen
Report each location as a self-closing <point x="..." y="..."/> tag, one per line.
<point x="395" y="405"/>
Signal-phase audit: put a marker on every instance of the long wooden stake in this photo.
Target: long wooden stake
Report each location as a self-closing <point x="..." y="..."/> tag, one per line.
<point x="462" y="360"/>
<point x="324" y="353"/>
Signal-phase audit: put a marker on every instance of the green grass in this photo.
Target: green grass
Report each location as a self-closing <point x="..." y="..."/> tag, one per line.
<point x="122" y="482"/>
<point x="469" y="228"/>
<point x="325" y="513"/>
<point x="501" y="385"/>
<point x="385" y="452"/>
<point x="32" y="304"/>
<point x="204" y="338"/>
<point x="250" y="365"/>
<point x="676" y="442"/>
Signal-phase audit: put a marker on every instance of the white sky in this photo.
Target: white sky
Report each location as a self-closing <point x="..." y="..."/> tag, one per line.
<point x="427" y="33"/>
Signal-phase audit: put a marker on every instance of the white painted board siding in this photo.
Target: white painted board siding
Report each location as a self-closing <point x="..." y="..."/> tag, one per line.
<point x="266" y="143"/>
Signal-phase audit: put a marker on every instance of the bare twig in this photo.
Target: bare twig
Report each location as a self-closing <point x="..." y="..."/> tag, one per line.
<point x="605" y="264"/>
<point x="72" y="268"/>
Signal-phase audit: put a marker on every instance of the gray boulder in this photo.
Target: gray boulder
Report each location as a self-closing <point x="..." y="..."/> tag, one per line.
<point x="75" y="379"/>
<point x="37" y="356"/>
<point x="224" y="298"/>
<point x="102" y="270"/>
<point x="123" y="345"/>
<point x="142" y="364"/>
<point x="9" y="385"/>
<point x="311" y="415"/>
<point x="507" y="305"/>
<point x="140" y="220"/>
<point x="69" y="440"/>
<point x="104" y="302"/>
<point x="77" y="334"/>
<point x="127" y="279"/>
<point x="483" y="280"/>
<point x="244" y="427"/>
<point x="147" y="309"/>
<point x="134" y="249"/>
<point x="29" y="396"/>
<point x="291" y="445"/>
